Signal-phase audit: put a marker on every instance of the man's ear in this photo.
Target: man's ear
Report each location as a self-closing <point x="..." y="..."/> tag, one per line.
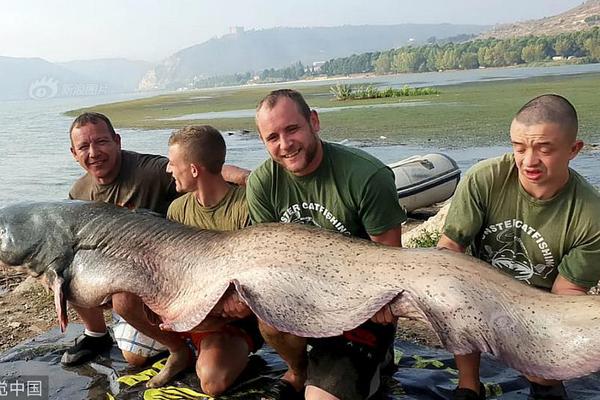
<point x="576" y="148"/>
<point x="195" y="168"/>
<point x="315" y="124"/>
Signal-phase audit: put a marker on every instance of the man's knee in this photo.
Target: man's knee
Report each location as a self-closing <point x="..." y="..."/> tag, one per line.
<point x="315" y="393"/>
<point x="213" y="380"/>
<point x="214" y="387"/>
<point x="133" y="359"/>
<point x="222" y="359"/>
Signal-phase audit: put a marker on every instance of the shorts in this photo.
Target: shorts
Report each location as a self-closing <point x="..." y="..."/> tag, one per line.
<point x="349" y="366"/>
<point x="246" y="328"/>
<point x="130" y="339"/>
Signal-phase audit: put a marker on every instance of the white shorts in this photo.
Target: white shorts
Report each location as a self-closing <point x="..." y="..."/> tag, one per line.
<point x="130" y="339"/>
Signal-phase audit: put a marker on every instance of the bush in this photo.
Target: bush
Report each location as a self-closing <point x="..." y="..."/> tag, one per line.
<point x="341" y="92"/>
<point x="426" y="239"/>
<point x="347" y="92"/>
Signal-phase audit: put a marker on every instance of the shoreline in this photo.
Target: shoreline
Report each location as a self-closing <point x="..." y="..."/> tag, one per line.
<point x="372" y="75"/>
<point x="463" y="113"/>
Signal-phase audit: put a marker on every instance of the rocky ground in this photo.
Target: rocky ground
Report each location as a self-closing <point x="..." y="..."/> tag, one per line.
<point x="27" y="308"/>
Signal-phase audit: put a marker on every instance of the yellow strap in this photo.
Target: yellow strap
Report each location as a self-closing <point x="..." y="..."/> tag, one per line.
<point x="172" y="392"/>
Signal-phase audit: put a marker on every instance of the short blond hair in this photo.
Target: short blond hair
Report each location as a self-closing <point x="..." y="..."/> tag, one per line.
<point x="201" y="144"/>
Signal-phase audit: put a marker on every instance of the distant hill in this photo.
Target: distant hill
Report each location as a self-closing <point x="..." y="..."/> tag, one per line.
<point x="22" y="78"/>
<point x="119" y="74"/>
<point x="255" y="50"/>
<point x="38" y="79"/>
<point x="583" y="17"/>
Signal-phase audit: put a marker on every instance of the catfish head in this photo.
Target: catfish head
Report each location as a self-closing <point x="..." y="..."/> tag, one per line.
<point x="39" y="239"/>
<point x="35" y="237"/>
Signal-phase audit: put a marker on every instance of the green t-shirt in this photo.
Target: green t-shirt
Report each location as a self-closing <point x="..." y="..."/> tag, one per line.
<point x="351" y="192"/>
<point x="143" y="182"/>
<point x="229" y="214"/>
<point x="532" y="240"/>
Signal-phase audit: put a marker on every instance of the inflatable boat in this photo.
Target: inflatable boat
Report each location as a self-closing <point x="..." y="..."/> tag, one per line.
<point x="425" y="180"/>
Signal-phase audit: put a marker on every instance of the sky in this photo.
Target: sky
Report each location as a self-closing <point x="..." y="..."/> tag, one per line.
<point x="64" y="30"/>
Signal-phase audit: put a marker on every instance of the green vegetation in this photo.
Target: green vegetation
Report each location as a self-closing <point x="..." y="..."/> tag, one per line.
<point x="426" y="239"/>
<point x="462" y="115"/>
<point x="349" y="92"/>
<point x="584" y="46"/>
<point x="574" y="47"/>
<point x="592" y="20"/>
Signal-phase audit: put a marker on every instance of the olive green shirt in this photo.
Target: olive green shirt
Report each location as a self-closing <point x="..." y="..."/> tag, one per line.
<point x="143" y="182"/>
<point x="229" y="214"/>
<point x="351" y="192"/>
<point x="532" y="240"/>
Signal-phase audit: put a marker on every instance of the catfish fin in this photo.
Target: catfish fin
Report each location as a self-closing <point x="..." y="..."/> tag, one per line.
<point x="57" y="283"/>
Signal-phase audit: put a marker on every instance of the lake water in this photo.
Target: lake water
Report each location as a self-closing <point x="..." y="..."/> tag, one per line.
<point x="36" y="165"/>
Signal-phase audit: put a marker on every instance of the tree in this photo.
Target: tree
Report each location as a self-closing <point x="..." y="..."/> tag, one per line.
<point x="563" y="46"/>
<point x="407" y="60"/>
<point x="592" y="47"/>
<point x="485" y="56"/>
<point x="383" y="63"/>
<point x="533" y="52"/>
<point x="469" y="61"/>
<point x="449" y="59"/>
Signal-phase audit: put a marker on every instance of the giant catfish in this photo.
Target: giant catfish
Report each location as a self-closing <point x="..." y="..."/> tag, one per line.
<point x="302" y="280"/>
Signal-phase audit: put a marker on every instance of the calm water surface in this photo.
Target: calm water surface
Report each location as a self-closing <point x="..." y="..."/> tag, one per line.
<point x="36" y="165"/>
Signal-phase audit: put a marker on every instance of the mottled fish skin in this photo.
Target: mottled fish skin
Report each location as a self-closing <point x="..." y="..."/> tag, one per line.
<point x="303" y="280"/>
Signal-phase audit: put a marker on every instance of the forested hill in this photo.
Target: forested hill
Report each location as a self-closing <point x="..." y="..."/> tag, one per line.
<point x="255" y="50"/>
<point x="576" y="47"/>
<point x="580" y="47"/>
<point x="583" y="17"/>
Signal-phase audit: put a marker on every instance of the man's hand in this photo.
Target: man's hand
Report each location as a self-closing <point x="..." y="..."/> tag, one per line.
<point x="234" y="307"/>
<point x="446" y="243"/>
<point x="384" y="316"/>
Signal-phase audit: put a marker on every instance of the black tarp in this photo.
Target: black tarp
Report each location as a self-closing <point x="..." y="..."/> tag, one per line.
<point x="423" y="373"/>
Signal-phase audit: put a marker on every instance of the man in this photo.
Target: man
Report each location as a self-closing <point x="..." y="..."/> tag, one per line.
<point x="130" y="180"/>
<point x="196" y="157"/>
<point x="530" y="215"/>
<point x="337" y="188"/>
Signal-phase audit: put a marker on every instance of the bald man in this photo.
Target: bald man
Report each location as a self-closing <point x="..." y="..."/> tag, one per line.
<point x="531" y="216"/>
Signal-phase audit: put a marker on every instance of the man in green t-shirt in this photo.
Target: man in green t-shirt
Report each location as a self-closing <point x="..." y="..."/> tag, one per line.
<point x="337" y="188"/>
<point x="530" y="215"/>
<point x="196" y="156"/>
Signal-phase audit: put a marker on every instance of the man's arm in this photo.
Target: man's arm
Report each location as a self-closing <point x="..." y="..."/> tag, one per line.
<point x="563" y="286"/>
<point x="235" y="174"/>
<point x="391" y="237"/>
<point x="446" y="243"/>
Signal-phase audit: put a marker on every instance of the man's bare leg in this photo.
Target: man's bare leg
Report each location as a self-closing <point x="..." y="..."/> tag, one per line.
<point x="134" y="359"/>
<point x="315" y="393"/>
<point x="468" y="371"/>
<point x="222" y="358"/>
<point x="131" y="308"/>
<point x="92" y="318"/>
<point x="292" y="349"/>
<point x="94" y="340"/>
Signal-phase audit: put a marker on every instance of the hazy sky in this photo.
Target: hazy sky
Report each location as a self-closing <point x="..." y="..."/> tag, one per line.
<point x="63" y="30"/>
